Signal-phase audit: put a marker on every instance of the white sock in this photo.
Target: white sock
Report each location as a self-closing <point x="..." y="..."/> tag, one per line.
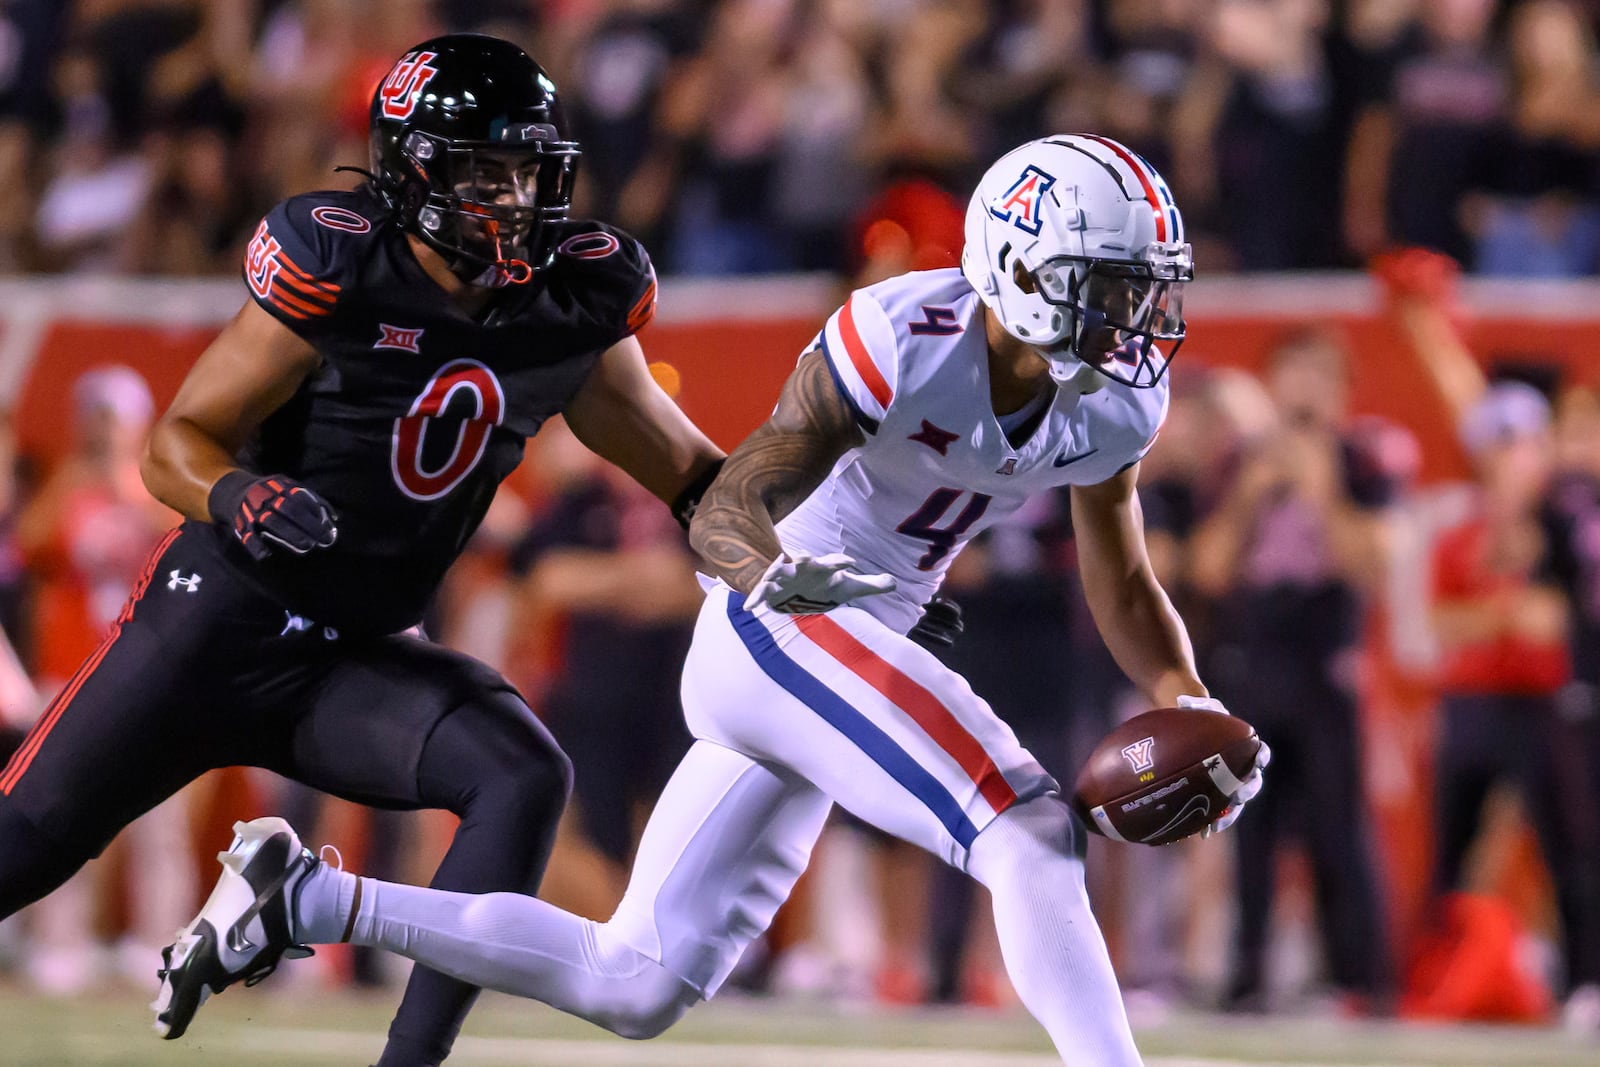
<point x="505" y="941"/>
<point x="322" y="903"/>
<point x="1053" y="948"/>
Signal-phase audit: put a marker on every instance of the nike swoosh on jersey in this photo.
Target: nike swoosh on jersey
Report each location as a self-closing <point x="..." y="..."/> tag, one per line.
<point x="1064" y="460"/>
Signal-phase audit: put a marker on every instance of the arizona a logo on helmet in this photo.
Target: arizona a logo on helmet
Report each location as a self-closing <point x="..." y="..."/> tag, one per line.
<point x="404" y="84"/>
<point x="1019" y="205"/>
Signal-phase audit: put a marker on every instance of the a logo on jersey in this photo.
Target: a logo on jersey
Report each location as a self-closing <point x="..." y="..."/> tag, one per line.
<point x="1019" y="205"/>
<point x="403" y="86"/>
<point x="261" y="262"/>
<point x="1140" y="755"/>
<point x="400" y="338"/>
<point x="191" y="584"/>
<point x="596" y="244"/>
<point x="411" y="429"/>
<point x="338" y="218"/>
<point x="1064" y="460"/>
<point x="935" y="438"/>
<point x="1008" y="467"/>
<point x="937" y="321"/>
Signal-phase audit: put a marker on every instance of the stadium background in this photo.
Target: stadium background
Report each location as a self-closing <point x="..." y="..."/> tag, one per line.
<point x="772" y="153"/>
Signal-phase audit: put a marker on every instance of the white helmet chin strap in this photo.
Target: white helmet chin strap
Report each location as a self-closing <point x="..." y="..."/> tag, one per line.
<point x="1069" y="371"/>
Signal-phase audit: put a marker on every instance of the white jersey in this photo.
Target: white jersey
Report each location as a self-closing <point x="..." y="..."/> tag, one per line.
<point x="911" y="356"/>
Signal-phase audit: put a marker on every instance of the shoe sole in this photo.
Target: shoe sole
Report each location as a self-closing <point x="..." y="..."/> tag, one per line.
<point x="192" y="970"/>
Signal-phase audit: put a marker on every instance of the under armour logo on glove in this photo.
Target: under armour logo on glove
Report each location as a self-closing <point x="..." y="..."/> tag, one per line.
<point x="272" y="512"/>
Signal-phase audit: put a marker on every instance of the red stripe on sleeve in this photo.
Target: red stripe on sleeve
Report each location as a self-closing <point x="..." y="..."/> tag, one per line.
<point x="282" y="299"/>
<point x="857" y="350"/>
<point x="925" y="709"/>
<point x="643" y="309"/>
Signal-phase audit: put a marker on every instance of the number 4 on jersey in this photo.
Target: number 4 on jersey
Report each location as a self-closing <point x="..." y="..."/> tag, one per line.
<point x="941" y="539"/>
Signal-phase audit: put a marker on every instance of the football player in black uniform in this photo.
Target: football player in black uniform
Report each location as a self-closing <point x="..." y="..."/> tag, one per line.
<point x="333" y="450"/>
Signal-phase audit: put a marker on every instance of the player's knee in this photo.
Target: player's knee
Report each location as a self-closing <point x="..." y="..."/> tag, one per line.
<point x="533" y="790"/>
<point x="1032" y="836"/>
<point x="666" y="999"/>
<point x="548" y="784"/>
<point x="515" y="768"/>
<point x="639" y="998"/>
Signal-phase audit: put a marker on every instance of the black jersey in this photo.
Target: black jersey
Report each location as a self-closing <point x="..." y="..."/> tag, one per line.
<point x="418" y="410"/>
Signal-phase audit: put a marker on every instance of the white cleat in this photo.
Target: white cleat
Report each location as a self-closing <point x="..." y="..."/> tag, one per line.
<point x="244" y="928"/>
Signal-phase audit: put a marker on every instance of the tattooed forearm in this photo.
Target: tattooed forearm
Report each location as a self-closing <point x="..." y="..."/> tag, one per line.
<point x="768" y="475"/>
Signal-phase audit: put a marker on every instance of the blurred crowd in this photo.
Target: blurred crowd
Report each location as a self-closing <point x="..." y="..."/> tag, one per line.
<point x="1424" y="659"/>
<point x="741" y="136"/>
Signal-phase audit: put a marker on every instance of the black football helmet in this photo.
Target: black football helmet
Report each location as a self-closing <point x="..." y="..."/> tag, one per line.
<point x="470" y="147"/>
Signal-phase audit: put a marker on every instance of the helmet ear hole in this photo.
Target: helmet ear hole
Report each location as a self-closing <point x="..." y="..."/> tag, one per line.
<point x="1022" y="279"/>
<point x="412" y="199"/>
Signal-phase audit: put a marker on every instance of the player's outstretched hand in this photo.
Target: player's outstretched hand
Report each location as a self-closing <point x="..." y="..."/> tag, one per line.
<point x="272" y="512"/>
<point x="1249" y="786"/>
<point x="807" y="585"/>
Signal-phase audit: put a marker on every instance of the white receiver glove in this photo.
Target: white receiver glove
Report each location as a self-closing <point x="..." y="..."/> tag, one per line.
<point x="1249" y="786"/>
<point x="806" y="585"/>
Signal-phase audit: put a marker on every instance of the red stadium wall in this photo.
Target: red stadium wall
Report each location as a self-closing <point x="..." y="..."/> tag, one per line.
<point x="732" y="354"/>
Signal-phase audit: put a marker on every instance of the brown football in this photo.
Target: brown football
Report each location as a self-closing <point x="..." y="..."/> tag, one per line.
<point x="1164" y="775"/>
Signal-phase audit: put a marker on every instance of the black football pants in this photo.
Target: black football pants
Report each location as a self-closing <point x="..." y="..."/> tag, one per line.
<point x="202" y="672"/>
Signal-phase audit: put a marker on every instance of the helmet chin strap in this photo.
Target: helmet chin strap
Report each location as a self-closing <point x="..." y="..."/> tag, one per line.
<point x="514" y="271"/>
<point x="491" y="273"/>
<point x="1066" y="366"/>
<point x="1070" y="372"/>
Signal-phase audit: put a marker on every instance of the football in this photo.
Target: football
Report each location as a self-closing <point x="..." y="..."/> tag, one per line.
<point x="1164" y="775"/>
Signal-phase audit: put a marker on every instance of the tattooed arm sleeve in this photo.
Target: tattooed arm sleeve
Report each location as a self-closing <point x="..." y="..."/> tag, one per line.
<point x="768" y="475"/>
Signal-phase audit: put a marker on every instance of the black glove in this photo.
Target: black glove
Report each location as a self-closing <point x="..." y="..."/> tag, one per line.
<point x="269" y="511"/>
<point x="940" y="624"/>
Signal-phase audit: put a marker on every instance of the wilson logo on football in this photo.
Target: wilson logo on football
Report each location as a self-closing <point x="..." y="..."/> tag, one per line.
<point x="1140" y="755"/>
<point x="404" y="84"/>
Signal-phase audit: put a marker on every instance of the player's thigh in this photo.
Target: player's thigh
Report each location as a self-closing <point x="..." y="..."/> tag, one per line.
<point x="873" y="720"/>
<point x="366" y="734"/>
<point x="723" y="848"/>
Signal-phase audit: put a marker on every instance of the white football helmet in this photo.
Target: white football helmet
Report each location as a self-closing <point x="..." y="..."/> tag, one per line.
<point x="1076" y="245"/>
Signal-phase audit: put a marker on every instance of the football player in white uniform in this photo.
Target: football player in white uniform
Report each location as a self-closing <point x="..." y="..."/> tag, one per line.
<point x="931" y="405"/>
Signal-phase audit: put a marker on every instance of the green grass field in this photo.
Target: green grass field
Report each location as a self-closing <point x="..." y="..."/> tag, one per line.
<point x="260" y="1029"/>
